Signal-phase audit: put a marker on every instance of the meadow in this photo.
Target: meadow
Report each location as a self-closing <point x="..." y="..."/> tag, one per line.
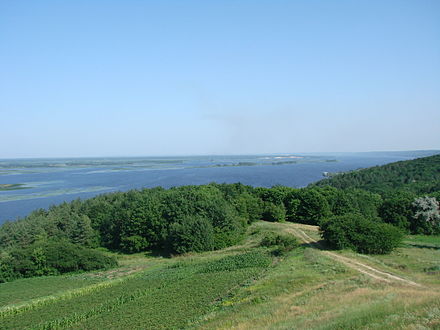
<point x="245" y="286"/>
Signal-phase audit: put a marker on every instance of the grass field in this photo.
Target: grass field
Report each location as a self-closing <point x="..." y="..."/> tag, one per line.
<point x="242" y="287"/>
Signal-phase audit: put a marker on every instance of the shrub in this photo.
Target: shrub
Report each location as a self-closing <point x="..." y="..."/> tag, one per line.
<point x="6" y="270"/>
<point x="192" y="233"/>
<point x="65" y="257"/>
<point x="397" y="209"/>
<point x="133" y="244"/>
<point x="51" y="258"/>
<point x="274" y="212"/>
<point x="352" y="231"/>
<point x="284" y="243"/>
<point x="312" y="207"/>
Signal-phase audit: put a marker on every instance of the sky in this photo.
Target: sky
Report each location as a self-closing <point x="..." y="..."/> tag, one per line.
<point x="90" y="78"/>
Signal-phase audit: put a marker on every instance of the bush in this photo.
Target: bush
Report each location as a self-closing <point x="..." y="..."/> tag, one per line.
<point x="51" y="258"/>
<point x="274" y="212"/>
<point x="352" y="231"/>
<point x="312" y="207"/>
<point x="284" y="243"/>
<point x="133" y="244"/>
<point x="397" y="209"/>
<point x="6" y="270"/>
<point x="194" y="234"/>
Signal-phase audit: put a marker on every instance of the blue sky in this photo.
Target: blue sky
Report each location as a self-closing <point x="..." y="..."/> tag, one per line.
<point x="126" y="78"/>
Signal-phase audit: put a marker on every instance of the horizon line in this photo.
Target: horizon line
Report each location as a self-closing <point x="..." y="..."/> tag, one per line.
<point x="220" y="154"/>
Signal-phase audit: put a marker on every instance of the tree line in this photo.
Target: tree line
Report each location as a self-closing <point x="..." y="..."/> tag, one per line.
<point x="209" y="217"/>
<point x="206" y="217"/>
<point x="417" y="176"/>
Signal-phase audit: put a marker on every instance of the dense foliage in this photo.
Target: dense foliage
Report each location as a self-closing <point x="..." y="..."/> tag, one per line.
<point x="426" y="219"/>
<point x="352" y="231"/>
<point x="215" y="216"/>
<point x="50" y="258"/>
<point x="135" y="221"/>
<point x="420" y="176"/>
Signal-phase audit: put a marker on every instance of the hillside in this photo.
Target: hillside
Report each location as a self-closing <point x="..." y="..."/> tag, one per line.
<point x="420" y="176"/>
<point x="201" y="257"/>
<point x="246" y="286"/>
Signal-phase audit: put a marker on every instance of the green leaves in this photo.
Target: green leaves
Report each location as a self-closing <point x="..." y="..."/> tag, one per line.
<point x="50" y="258"/>
<point x="352" y="231"/>
<point x="192" y="233"/>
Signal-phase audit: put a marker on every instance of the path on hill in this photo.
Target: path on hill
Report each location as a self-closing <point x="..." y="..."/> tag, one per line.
<point x="349" y="262"/>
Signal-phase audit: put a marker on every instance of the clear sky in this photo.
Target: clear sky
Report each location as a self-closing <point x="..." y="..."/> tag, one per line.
<point x="127" y="78"/>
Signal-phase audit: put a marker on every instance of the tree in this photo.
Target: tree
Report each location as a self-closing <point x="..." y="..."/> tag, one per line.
<point x="133" y="244"/>
<point x="82" y="232"/>
<point x="426" y="219"/>
<point x="273" y="212"/>
<point x="397" y="209"/>
<point x="353" y="231"/>
<point x="192" y="233"/>
<point x="313" y="207"/>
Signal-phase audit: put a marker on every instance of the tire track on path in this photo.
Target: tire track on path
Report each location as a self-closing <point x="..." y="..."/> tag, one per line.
<point x="352" y="263"/>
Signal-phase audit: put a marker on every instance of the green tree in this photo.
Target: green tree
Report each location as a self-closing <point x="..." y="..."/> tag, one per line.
<point x="274" y="212"/>
<point x="312" y="208"/>
<point x="397" y="209"/>
<point x="133" y="244"/>
<point x="353" y="231"/>
<point x="192" y="233"/>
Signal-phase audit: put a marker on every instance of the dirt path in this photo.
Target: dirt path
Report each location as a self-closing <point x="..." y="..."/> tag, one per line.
<point x="350" y="262"/>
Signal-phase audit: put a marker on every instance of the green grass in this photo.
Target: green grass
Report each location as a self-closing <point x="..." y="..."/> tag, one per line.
<point x="244" y="286"/>
<point x="23" y="290"/>
<point x="430" y="241"/>
<point x="168" y="295"/>
<point x="307" y="290"/>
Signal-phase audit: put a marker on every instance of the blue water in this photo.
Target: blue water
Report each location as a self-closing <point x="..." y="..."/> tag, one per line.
<point x="53" y="181"/>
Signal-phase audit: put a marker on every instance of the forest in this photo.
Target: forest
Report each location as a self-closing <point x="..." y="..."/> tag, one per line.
<point x="417" y="176"/>
<point x="368" y="211"/>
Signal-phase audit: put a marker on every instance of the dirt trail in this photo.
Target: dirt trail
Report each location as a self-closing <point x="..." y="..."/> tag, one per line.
<point x="350" y="262"/>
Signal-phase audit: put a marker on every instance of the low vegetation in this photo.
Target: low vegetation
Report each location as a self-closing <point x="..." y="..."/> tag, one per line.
<point x="283" y="243"/>
<point x="245" y="286"/>
<point x="170" y="295"/>
<point x="352" y="231"/>
<point x="51" y="258"/>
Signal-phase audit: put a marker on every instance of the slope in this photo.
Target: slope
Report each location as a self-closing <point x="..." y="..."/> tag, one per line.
<point x="244" y="287"/>
<point x="420" y="176"/>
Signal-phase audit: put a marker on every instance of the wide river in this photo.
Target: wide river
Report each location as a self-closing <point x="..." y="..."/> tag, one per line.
<point x="45" y="182"/>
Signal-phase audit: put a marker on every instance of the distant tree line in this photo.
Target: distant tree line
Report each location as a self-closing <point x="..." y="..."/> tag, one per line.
<point x="417" y="176"/>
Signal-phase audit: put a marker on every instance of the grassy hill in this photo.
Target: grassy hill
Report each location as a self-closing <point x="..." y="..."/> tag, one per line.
<point x="420" y="176"/>
<point x="245" y="286"/>
<point x="198" y="257"/>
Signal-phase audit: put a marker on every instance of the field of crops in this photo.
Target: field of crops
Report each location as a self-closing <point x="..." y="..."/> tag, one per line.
<point x="244" y="286"/>
<point x="170" y="295"/>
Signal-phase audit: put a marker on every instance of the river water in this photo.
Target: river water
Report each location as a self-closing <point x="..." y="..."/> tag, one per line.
<point x="52" y="181"/>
